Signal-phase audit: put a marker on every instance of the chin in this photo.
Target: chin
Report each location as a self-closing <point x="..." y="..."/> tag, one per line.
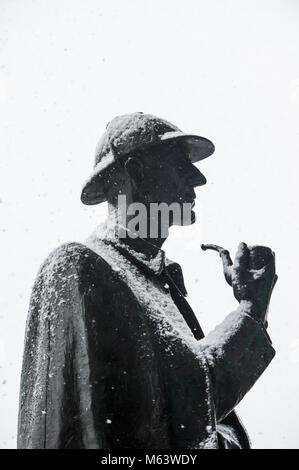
<point x="180" y="221"/>
<point x="193" y="217"/>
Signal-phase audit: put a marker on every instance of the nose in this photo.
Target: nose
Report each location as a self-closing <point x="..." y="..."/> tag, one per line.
<point x="196" y="178"/>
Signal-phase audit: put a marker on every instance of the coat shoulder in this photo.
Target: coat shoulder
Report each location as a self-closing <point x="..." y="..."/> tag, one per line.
<point x="71" y="256"/>
<point x="78" y="266"/>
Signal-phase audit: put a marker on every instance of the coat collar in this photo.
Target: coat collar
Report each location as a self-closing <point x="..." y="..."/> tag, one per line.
<point x="147" y="256"/>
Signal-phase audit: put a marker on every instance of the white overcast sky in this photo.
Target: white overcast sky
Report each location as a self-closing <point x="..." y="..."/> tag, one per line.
<point x="226" y="69"/>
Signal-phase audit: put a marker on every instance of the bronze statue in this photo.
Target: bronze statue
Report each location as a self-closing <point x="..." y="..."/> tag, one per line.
<point x="114" y="355"/>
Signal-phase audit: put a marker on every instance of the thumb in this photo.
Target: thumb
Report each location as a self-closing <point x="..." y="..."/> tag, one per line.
<point x="242" y="257"/>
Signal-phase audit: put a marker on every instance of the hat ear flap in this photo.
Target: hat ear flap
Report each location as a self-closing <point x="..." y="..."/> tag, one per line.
<point x="113" y="149"/>
<point x="134" y="168"/>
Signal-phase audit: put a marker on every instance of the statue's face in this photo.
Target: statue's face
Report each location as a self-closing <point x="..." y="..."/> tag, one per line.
<point x="169" y="176"/>
<point x="163" y="174"/>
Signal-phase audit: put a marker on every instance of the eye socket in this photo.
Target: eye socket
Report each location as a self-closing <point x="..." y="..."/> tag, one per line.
<point x="183" y="169"/>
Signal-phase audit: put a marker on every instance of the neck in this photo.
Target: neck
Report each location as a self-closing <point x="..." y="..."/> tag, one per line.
<point x="121" y="222"/>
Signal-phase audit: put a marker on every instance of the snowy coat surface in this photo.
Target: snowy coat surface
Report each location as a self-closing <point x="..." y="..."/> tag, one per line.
<point x="110" y="362"/>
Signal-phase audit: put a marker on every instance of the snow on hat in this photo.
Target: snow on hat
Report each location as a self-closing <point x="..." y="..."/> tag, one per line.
<point x="130" y="132"/>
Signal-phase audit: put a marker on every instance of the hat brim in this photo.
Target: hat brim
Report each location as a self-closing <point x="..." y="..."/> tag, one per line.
<point x="198" y="147"/>
<point x="92" y="193"/>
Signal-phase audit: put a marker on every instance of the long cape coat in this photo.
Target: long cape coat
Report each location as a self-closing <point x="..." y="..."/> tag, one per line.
<point x="110" y="361"/>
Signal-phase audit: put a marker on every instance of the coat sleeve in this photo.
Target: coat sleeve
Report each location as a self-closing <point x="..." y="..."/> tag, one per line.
<point x="55" y="393"/>
<point x="237" y="352"/>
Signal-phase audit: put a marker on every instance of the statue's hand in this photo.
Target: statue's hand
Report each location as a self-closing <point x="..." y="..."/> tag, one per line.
<point x="251" y="275"/>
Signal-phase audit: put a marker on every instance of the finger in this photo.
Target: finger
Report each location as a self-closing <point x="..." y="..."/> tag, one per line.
<point x="274" y="282"/>
<point x="258" y="273"/>
<point x="271" y="291"/>
<point x="260" y="256"/>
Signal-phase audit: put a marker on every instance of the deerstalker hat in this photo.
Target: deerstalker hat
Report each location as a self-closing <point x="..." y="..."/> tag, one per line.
<point x="131" y="132"/>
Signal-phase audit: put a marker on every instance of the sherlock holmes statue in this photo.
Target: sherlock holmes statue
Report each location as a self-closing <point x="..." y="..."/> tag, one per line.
<point x="114" y="355"/>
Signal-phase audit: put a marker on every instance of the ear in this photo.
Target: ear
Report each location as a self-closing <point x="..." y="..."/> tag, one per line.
<point x="134" y="168"/>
